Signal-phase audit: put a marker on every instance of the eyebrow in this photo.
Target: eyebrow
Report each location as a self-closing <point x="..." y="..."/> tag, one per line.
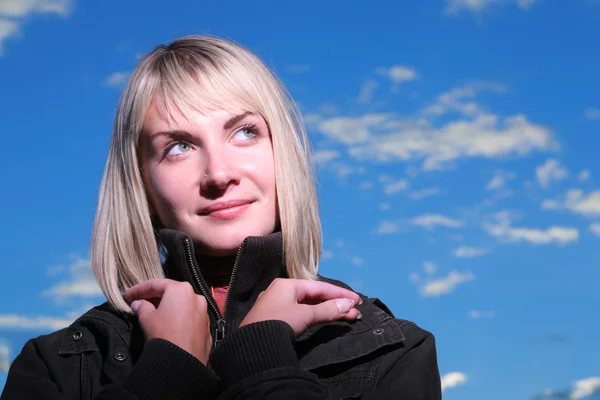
<point x="235" y="119"/>
<point x="179" y="134"/>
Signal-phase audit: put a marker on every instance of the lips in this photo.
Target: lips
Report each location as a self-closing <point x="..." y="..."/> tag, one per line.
<point x="227" y="209"/>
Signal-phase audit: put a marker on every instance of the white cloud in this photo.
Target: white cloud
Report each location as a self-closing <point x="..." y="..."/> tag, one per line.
<point x="442" y="286"/>
<point x="387" y="137"/>
<point x="7" y="28"/>
<point x="578" y="202"/>
<point x="469" y="252"/>
<point x="13" y="11"/>
<point x="366" y="92"/>
<point x="430" y="221"/>
<point x="499" y="180"/>
<point x="584" y="175"/>
<point x="453" y="379"/>
<point x="459" y="100"/>
<point x="550" y="171"/>
<point x="595" y="228"/>
<point x="326" y="255"/>
<point x="398" y="73"/>
<point x="397" y="186"/>
<point x="14" y="321"/>
<point x="116" y="79"/>
<point x="585" y="387"/>
<point x="479" y="6"/>
<point x="475" y="314"/>
<point x="387" y="227"/>
<point x="23" y="8"/>
<point x="423" y="193"/>
<point x="324" y="156"/>
<point x="592" y="113"/>
<point x="80" y="282"/>
<point x="4" y="358"/>
<point x="503" y="229"/>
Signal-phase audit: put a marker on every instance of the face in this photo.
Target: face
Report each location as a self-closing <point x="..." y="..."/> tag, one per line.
<point x="211" y="176"/>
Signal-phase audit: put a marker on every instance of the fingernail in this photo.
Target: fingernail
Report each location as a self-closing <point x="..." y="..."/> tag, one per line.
<point x="360" y="301"/>
<point x="135" y="305"/>
<point x="344" y="305"/>
<point x="359" y="316"/>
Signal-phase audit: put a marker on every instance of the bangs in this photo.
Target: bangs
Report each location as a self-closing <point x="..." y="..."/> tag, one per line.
<point x="191" y="82"/>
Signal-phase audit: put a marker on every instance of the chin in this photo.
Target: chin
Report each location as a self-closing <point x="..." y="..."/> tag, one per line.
<point x="226" y="242"/>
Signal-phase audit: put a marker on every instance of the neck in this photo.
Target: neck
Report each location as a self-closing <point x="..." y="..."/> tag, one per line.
<point x="216" y="270"/>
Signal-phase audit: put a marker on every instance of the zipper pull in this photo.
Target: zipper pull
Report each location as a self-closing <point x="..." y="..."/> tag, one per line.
<point x="219" y="331"/>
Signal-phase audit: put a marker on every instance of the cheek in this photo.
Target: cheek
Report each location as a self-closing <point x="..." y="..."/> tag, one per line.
<point x="166" y="193"/>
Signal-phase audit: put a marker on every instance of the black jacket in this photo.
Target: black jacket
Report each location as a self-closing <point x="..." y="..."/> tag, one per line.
<point x="103" y="354"/>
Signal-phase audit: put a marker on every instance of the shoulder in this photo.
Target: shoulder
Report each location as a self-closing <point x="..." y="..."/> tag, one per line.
<point x="86" y="332"/>
<point x="376" y="312"/>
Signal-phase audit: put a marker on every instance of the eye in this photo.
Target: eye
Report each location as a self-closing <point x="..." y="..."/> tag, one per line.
<point x="179" y="148"/>
<point x="246" y="133"/>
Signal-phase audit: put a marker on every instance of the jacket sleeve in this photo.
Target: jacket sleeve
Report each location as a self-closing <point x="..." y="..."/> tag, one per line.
<point x="259" y="362"/>
<point x="163" y="371"/>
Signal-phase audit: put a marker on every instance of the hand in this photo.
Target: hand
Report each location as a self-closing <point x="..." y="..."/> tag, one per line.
<point x="303" y="303"/>
<point x="172" y="311"/>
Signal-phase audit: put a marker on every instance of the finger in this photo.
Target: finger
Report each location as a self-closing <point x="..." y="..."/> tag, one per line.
<point x="352" y="315"/>
<point x="148" y="289"/>
<point x="315" y="290"/>
<point x="142" y="308"/>
<point x="331" y="310"/>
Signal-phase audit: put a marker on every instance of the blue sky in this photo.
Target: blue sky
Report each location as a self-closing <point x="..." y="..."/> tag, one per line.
<point x="455" y="143"/>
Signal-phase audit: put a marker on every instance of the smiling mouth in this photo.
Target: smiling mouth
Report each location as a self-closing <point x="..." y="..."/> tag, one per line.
<point x="226" y="210"/>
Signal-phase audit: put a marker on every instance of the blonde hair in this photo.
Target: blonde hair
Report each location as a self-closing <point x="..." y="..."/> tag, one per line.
<point x="203" y="74"/>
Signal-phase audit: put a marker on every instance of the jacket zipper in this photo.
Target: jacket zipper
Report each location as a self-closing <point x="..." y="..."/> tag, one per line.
<point x="221" y="321"/>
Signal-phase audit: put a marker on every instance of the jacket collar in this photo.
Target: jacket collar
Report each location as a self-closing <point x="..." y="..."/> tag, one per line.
<point x="259" y="262"/>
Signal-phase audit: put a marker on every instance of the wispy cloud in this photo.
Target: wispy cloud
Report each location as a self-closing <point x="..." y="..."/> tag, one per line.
<point x="392" y="185"/>
<point x="592" y="113"/>
<point x="469" y="252"/>
<point x="21" y="322"/>
<point x="80" y="281"/>
<point x="502" y="228"/>
<point x="4" y="358"/>
<point x="479" y="6"/>
<point x="366" y="91"/>
<point x="12" y="12"/>
<point x="584" y="175"/>
<point x="323" y="156"/>
<point x="430" y="221"/>
<point x="445" y="285"/>
<point x="582" y="388"/>
<point x="387" y="227"/>
<point x="423" y="193"/>
<point x="116" y="79"/>
<point x="499" y="180"/>
<point x="387" y="137"/>
<point x="398" y="73"/>
<point x="577" y="202"/>
<point x="595" y="228"/>
<point x="453" y="379"/>
<point x="550" y="171"/>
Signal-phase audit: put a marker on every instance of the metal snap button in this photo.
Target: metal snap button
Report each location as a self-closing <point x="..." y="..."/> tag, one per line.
<point x="378" y="331"/>
<point x="77" y="335"/>
<point x="120" y="356"/>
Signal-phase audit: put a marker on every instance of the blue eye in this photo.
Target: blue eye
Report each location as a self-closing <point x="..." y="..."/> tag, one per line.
<point x="244" y="134"/>
<point x="179" y="148"/>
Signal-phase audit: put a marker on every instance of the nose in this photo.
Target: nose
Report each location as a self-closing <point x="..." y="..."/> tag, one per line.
<point x="219" y="171"/>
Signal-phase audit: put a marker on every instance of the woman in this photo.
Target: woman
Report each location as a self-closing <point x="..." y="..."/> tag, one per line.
<point x="208" y="171"/>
